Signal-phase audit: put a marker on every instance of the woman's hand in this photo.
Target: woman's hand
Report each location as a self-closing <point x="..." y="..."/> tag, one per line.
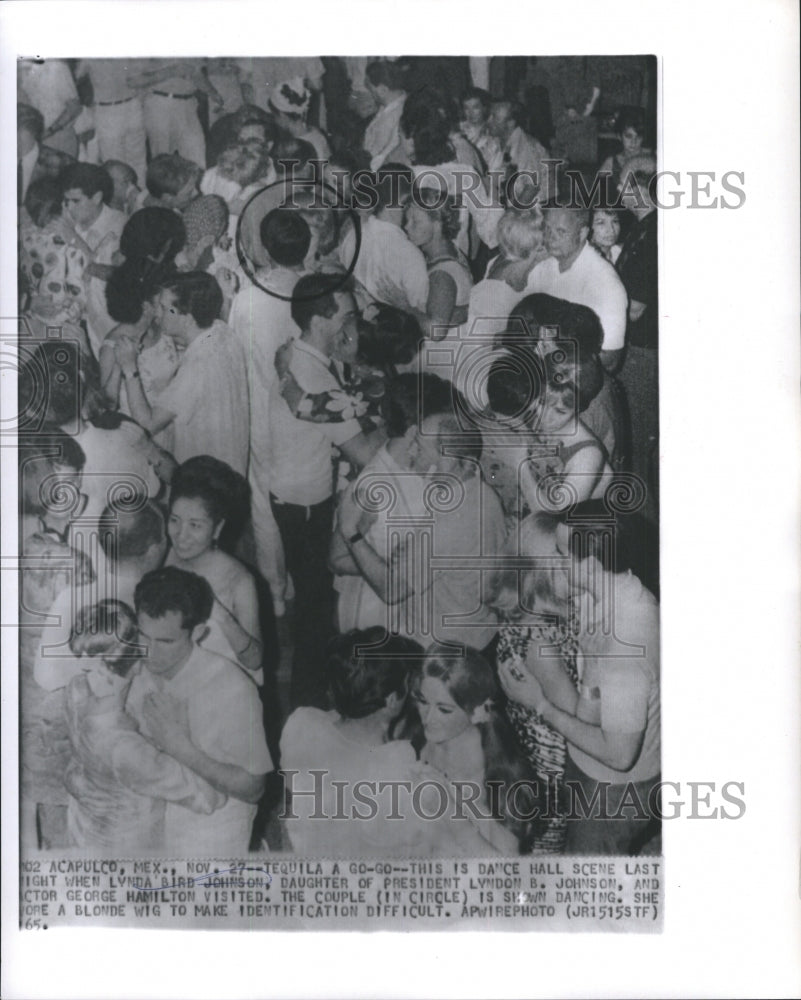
<point x="168" y="723"/>
<point x="126" y="353"/>
<point x="521" y="687"/>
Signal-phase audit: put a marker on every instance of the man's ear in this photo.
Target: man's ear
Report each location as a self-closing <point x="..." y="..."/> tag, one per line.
<point x="199" y="632"/>
<point x="97" y="198"/>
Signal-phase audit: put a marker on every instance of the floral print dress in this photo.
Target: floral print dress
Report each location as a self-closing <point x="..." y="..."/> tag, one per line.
<point x="544" y="748"/>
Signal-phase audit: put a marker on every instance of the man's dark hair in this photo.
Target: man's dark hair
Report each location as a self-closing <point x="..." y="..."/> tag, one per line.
<point x="41" y="456"/>
<point x="168" y="173"/>
<point x="478" y="94"/>
<point x="198" y="295"/>
<point x="411" y="397"/>
<point x="385" y="73"/>
<point x="88" y="178"/>
<point x="575" y="323"/>
<point x="286" y="236"/>
<point x="135" y="531"/>
<point x="171" y="589"/>
<point x="313" y="295"/>
<point x="361" y="682"/>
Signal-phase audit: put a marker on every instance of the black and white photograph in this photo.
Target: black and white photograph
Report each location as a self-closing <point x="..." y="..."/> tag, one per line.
<point x="339" y="535"/>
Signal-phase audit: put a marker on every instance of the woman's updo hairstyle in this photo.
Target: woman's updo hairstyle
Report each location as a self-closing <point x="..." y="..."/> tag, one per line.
<point x="224" y="493"/>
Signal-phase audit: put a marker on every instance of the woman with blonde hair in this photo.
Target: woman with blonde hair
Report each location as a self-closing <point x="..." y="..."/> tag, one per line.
<point x="521" y="246"/>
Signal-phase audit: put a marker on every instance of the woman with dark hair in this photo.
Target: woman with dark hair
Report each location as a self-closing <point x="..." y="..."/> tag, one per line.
<point x="369" y="673"/>
<point x="561" y="461"/>
<point x="611" y="722"/>
<point x="131" y="299"/>
<point x="556" y="325"/>
<point x="199" y="508"/>
<point x="630" y="126"/>
<point x="467" y="739"/>
<point x="153" y="234"/>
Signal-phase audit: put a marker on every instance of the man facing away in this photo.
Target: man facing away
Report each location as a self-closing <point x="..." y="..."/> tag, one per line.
<point x="200" y="709"/>
<point x="261" y="319"/>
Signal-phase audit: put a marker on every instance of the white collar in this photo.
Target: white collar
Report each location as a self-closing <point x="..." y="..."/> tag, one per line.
<point x="302" y="345"/>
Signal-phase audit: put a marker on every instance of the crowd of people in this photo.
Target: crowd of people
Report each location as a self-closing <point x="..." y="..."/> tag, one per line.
<point x="334" y="351"/>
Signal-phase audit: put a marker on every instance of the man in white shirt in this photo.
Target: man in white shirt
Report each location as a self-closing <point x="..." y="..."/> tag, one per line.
<point x="87" y="191"/>
<point x="302" y="473"/>
<point x="202" y="710"/>
<point x="575" y="271"/>
<point x="441" y="598"/>
<point x="261" y="319"/>
<point x="520" y="152"/>
<point x="389" y="268"/>
<point x="205" y="405"/>
<point x="382" y="134"/>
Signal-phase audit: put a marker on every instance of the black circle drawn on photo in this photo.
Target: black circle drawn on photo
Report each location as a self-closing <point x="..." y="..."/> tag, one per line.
<point x="289" y="187"/>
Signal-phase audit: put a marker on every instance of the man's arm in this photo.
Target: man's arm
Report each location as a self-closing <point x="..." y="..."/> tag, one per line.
<point x="340" y="561"/>
<point x="227" y="778"/>
<point x="387" y="575"/>
<point x="361" y="448"/>
<point x="169" y="728"/>
<point x="138" y="765"/>
<point x="615" y="749"/>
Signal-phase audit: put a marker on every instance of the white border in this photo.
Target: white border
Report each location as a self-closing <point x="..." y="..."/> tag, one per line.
<point x="730" y="419"/>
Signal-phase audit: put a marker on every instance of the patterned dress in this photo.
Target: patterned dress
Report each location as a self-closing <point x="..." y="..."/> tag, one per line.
<point x="544" y="748"/>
